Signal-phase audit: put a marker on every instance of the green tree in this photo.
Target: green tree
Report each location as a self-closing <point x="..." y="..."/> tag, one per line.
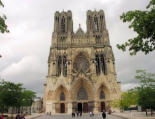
<point x="3" y="26"/>
<point x="143" y="23"/>
<point x="28" y="98"/>
<point x="9" y="94"/>
<point x="146" y="90"/>
<point x="127" y="99"/>
<point x="116" y="104"/>
<point x="15" y="96"/>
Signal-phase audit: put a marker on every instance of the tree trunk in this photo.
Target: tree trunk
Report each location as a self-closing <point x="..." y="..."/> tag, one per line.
<point x="30" y="110"/>
<point x="12" y="113"/>
<point x="146" y="111"/>
<point x="151" y="112"/>
<point x="22" y="110"/>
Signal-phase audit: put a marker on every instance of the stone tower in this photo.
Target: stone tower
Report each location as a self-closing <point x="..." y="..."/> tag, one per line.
<point x="81" y="66"/>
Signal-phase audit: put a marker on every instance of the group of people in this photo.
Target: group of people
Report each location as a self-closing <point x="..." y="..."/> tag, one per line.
<point x="76" y="113"/>
<point x="18" y="116"/>
<point x="91" y="114"/>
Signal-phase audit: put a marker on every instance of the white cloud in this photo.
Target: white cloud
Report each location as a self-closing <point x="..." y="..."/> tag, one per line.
<point x="129" y="86"/>
<point x="26" y="64"/>
<point x="29" y="71"/>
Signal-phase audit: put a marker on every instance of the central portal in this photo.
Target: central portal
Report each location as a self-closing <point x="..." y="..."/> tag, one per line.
<point x="79" y="107"/>
<point x="82" y="107"/>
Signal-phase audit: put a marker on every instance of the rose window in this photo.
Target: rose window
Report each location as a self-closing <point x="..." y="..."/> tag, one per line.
<point x="81" y="63"/>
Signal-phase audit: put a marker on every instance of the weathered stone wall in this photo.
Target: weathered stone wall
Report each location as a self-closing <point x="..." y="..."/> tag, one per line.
<point x="80" y="50"/>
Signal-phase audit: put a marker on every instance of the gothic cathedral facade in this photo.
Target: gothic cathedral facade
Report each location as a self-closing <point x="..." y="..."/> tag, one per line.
<point x="81" y="66"/>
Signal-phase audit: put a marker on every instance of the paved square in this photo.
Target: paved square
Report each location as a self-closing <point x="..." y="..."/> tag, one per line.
<point x="85" y="116"/>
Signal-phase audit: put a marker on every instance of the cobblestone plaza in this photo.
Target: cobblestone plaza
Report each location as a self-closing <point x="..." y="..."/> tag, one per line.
<point x="85" y="116"/>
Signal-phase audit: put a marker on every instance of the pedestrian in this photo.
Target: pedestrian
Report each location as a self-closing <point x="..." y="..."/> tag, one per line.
<point x="90" y="113"/>
<point x="104" y="114"/>
<point x="80" y="113"/>
<point x="77" y="113"/>
<point x="17" y="116"/>
<point x="109" y="112"/>
<point x="2" y="117"/>
<point x="22" y="117"/>
<point x="73" y="114"/>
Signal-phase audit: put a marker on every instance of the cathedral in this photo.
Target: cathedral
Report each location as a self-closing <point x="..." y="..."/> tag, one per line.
<point x="81" y="66"/>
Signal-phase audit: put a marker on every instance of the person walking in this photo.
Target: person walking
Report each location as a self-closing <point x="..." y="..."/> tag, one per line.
<point x="104" y="114"/>
<point x="80" y="113"/>
<point x="73" y="114"/>
<point x="22" y="117"/>
<point x="2" y="117"/>
<point x="17" y="116"/>
<point x="77" y="113"/>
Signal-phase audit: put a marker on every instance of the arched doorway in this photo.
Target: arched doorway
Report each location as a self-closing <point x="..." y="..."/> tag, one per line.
<point x="102" y="94"/>
<point x="61" y="96"/>
<point x="79" y="107"/>
<point x="62" y="108"/>
<point x="85" y="107"/>
<point x="62" y="105"/>
<point x="81" y="96"/>
<point x="102" y="106"/>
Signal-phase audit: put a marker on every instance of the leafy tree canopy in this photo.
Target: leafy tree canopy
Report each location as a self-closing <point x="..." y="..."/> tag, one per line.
<point x="28" y="97"/>
<point x="14" y="95"/>
<point x="10" y="93"/>
<point x="143" y="95"/>
<point x="143" y="23"/>
<point x="3" y="26"/>
<point x="146" y="90"/>
<point x="127" y="99"/>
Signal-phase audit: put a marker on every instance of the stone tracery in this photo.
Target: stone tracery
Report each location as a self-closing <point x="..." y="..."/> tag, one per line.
<point x="62" y="96"/>
<point x="82" y="94"/>
<point x="75" y="80"/>
<point x="62" y="65"/>
<point x="81" y="63"/>
<point x="100" y="64"/>
<point x="63" y="25"/>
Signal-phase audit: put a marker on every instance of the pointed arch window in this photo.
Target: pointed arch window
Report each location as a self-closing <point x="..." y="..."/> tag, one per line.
<point x="96" y="28"/>
<point x="97" y="64"/>
<point x="102" y="95"/>
<point x="103" y="64"/>
<point x="64" y="66"/>
<point x="101" y="17"/>
<point x="59" y="65"/>
<point x="63" y="25"/>
<point x="57" y="18"/>
<point x="82" y="94"/>
<point x="98" y="41"/>
<point x="62" y="96"/>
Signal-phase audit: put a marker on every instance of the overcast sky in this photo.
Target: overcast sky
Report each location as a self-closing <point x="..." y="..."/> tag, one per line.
<point x="25" y="49"/>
